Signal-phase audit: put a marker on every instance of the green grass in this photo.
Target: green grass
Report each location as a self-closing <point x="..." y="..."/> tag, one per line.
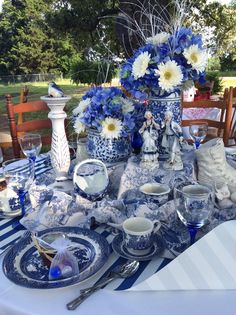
<point x="38" y="89"/>
<point x="229" y="81"/>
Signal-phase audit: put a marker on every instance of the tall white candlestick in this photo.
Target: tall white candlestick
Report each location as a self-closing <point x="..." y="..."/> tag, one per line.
<point x="60" y="155"/>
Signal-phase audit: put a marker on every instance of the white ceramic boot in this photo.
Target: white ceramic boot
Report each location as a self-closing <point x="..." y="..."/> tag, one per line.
<point x="212" y="164"/>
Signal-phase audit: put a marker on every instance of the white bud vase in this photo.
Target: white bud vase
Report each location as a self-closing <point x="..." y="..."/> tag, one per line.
<point x="60" y="155"/>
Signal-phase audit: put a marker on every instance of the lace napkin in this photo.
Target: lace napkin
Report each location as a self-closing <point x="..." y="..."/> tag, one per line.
<point x="52" y="209"/>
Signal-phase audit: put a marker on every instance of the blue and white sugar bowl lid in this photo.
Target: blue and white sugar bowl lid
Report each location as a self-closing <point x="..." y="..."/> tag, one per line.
<point x="91" y="179"/>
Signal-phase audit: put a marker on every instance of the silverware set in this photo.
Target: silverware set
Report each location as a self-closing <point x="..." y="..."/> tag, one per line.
<point x="123" y="271"/>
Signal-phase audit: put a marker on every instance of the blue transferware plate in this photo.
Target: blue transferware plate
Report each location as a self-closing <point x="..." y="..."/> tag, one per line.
<point x="24" y="266"/>
<point x="120" y="249"/>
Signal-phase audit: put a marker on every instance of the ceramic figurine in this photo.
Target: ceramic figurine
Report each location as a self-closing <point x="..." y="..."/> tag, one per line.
<point x="171" y="141"/>
<point x="54" y="90"/>
<point x="150" y="135"/>
<point x="225" y="199"/>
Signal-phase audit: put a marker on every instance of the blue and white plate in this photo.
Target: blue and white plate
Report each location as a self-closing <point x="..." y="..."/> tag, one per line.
<point x="120" y="249"/>
<point x="24" y="266"/>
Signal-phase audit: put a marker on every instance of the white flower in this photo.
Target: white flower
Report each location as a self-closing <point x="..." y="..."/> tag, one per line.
<point x="170" y="75"/>
<point x="127" y="105"/>
<point x="81" y="107"/>
<point x="158" y="39"/>
<point x="78" y="125"/>
<point x="140" y="65"/>
<point x="111" y="128"/>
<point x="196" y="57"/>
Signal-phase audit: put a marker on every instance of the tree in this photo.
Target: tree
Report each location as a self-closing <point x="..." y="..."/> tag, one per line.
<point x="220" y="20"/>
<point x="27" y="43"/>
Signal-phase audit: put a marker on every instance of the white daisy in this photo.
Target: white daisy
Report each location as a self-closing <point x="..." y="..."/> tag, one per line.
<point x="170" y="75"/>
<point x="140" y="65"/>
<point x="196" y="57"/>
<point x="127" y="105"/>
<point x="111" y="128"/>
<point x="158" y="39"/>
<point x="78" y="125"/>
<point x="81" y="107"/>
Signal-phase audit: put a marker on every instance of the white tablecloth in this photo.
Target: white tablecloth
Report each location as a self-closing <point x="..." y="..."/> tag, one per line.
<point x="15" y="300"/>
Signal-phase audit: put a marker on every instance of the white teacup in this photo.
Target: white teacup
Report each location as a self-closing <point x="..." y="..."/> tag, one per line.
<point x="155" y="192"/>
<point x="138" y="234"/>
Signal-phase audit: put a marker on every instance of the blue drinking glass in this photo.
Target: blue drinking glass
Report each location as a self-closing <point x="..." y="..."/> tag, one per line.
<point x="198" y="133"/>
<point x="194" y="204"/>
<point x="19" y="175"/>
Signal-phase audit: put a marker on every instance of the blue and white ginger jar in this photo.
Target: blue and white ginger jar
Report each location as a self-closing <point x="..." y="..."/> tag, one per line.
<point x="107" y="150"/>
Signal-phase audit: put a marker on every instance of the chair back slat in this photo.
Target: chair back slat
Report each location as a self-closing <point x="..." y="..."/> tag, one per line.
<point x="35" y="106"/>
<point x="211" y="123"/>
<point x="34" y="125"/>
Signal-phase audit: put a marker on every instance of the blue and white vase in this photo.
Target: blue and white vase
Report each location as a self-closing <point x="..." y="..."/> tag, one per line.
<point x="107" y="150"/>
<point x="159" y="105"/>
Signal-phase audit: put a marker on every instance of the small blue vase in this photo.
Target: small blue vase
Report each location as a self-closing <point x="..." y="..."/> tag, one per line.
<point x="136" y="142"/>
<point x="107" y="150"/>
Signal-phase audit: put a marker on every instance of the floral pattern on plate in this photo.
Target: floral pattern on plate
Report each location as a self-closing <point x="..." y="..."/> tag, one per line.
<point x="24" y="266"/>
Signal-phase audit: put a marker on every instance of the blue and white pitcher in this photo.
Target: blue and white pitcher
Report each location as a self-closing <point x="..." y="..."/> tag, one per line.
<point x="91" y="179"/>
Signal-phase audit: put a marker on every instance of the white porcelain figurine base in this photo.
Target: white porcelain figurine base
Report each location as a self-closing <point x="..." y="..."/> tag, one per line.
<point x="60" y="154"/>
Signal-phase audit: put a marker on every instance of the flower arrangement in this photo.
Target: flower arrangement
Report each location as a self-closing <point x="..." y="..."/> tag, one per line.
<point x="164" y="64"/>
<point x="106" y="110"/>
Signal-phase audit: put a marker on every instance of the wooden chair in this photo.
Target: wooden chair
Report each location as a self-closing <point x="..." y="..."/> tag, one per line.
<point x="232" y="135"/>
<point x="22" y="99"/>
<point x="223" y="125"/>
<point x="26" y="126"/>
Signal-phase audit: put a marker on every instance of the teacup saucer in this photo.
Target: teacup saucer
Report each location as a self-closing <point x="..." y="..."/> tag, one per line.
<point x="119" y="248"/>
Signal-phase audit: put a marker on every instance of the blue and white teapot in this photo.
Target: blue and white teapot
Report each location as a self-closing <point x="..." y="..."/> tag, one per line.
<point x="91" y="179"/>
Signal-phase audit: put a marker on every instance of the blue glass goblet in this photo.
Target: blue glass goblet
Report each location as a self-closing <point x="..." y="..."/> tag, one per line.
<point x="198" y="133"/>
<point x="31" y="145"/>
<point x="194" y="203"/>
<point x="19" y="175"/>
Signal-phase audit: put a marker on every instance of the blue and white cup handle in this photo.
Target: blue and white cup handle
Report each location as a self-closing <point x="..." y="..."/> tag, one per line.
<point x="89" y="161"/>
<point x="118" y="226"/>
<point x="157" y="225"/>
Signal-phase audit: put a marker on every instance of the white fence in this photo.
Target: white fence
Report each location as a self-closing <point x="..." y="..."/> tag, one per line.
<point x="8" y="79"/>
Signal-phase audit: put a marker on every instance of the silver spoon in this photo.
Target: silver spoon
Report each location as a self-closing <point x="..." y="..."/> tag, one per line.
<point x="124" y="271"/>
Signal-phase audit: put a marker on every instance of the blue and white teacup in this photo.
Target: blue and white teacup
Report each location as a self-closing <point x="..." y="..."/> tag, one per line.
<point x="138" y="234"/>
<point x="155" y="192"/>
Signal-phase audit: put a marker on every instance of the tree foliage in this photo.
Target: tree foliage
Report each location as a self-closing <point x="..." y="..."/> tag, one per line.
<point x="27" y="43"/>
<point x="52" y="35"/>
<point x="220" y="23"/>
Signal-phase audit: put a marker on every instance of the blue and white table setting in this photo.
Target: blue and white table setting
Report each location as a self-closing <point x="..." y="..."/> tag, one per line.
<point x="170" y="271"/>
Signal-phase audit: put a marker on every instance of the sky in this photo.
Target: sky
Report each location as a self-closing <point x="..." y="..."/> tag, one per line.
<point x="221" y="1"/>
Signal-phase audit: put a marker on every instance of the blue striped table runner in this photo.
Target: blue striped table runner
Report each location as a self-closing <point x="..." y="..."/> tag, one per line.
<point x="10" y="231"/>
